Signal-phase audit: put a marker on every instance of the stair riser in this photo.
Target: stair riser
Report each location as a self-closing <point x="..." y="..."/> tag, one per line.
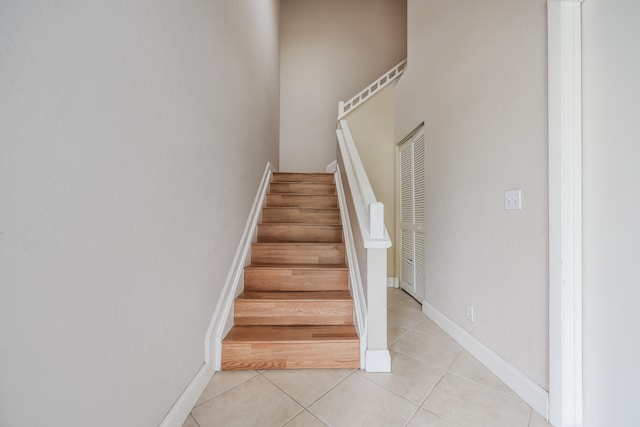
<point x="302" y="201"/>
<point x="239" y="356"/>
<point x="295" y="280"/>
<point x="303" y="177"/>
<point x="271" y="233"/>
<point x="301" y="215"/>
<point x="302" y="188"/>
<point x="260" y="312"/>
<point x="292" y="254"/>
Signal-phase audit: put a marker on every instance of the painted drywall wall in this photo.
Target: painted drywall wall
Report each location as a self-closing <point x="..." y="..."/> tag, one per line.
<point x="372" y="128"/>
<point x="330" y="50"/>
<point x="133" y="136"/>
<point x="611" y="185"/>
<point x="476" y="76"/>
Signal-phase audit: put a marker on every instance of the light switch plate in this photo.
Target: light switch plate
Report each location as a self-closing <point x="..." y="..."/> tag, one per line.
<point x="513" y="199"/>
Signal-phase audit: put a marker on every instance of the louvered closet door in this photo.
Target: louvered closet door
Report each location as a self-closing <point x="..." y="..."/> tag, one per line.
<point x="412" y="216"/>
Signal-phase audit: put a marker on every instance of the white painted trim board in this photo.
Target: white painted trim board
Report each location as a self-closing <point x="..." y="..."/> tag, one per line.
<point x="181" y="409"/>
<point x="565" y="211"/>
<point x="355" y="281"/>
<point x="393" y="282"/>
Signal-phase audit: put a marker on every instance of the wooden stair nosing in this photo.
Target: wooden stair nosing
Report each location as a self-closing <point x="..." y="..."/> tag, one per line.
<point x="276" y="266"/>
<point x="296" y="295"/>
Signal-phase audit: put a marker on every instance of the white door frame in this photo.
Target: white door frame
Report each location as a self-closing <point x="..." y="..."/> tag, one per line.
<point x="565" y="212"/>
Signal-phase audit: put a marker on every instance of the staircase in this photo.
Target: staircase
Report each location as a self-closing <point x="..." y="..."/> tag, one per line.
<point x="296" y="310"/>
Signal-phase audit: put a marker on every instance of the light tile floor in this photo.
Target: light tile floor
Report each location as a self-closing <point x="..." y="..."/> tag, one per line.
<point x="434" y="383"/>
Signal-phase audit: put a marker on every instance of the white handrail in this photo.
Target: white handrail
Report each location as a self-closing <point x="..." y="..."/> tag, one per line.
<point x="369" y="212"/>
<point x="345" y="107"/>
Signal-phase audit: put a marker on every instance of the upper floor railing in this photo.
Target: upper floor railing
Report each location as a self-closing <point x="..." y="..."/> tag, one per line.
<point x="345" y="107"/>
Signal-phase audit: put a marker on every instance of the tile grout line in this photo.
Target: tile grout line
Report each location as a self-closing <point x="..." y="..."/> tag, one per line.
<point x="327" y="392"/>
<point x="400" y="336"/>
<point x="390" y="391"/>
<point x="512" y="396"/>
<point x="286" y="394"/>
<point x="411" y="417"/>
<point x="303" y="411"/>
<point x="436" y="385"/>
<point x="224" y="392"/>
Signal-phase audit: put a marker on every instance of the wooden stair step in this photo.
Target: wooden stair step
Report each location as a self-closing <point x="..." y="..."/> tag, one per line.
<point x="287" y="233"/>
<point x="301" y="215"/>
<point x="301" y="277"/>
<point x="302" y="177"/>
<point x="294" y="308"/>
<point x="302" y="200"/>
<point x="297" y="253"/>
<point x="291" y="347"/>
<point x="302" y="187"/>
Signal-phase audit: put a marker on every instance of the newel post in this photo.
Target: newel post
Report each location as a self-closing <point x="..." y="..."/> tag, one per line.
<point x="377" y="356"/>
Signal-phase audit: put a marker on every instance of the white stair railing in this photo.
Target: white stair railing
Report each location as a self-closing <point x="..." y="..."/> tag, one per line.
<point x="345" y="107"/>
<point x="367" y="242"/>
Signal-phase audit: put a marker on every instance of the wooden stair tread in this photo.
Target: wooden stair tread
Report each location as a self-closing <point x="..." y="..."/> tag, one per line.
<point x="296" y="295"/>
<point x="299" y="232"/>
<point x="300" y="215"/>
<point x="292" y="334"/>
<point x="300" y="224"/>
<point x="301" y="208"/>
<point x="295" y="200"/>
<point x="301" y="244"/>
<point x="319" y="195"/>
<point x="297" y="253"/>
<point x="298" y="266"/>
<point x="303" y="177"/>
<point x="302" y="188"/>
<point x="296" y="277"/>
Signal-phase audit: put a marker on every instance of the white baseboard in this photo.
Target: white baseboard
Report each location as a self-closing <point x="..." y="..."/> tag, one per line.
<point x="331" y="167"/>
<point x="222" y="319"/>
<point x="393" y="282"/>
<point x="378" y="361"/>
<point x="523" y="386"/>
<point x="180" y="410"/>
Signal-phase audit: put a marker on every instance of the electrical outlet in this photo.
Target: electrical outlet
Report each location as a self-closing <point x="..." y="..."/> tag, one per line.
<point x="470" y="312"/>
<point x="513" y="199"/>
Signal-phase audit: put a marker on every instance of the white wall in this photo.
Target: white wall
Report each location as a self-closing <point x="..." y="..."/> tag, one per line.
<point x="330" y="50"/>
<point x="133" y="136"/>
<point x="372" y="128"/>
<point x="476" y="76"/>
<point x="611" y="155"/>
